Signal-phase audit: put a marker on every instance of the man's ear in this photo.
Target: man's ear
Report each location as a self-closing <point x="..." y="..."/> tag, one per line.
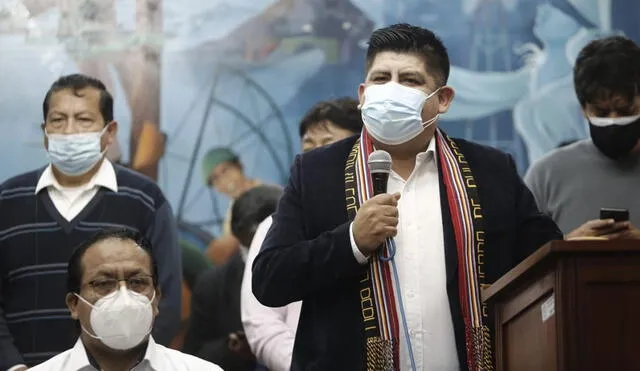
<point x="156" y="303"/>
<point x="112" y="131"/>
<point x="445" y="97"/>
<point x="72" y="303"/>
<point x="361" y="94"/>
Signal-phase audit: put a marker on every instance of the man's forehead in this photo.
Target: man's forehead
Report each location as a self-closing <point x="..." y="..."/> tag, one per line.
<point x="113" y="250"/>
<point x="389" y="63"/>
<point x="615" y="101"/>
<point x="402" y="62"/>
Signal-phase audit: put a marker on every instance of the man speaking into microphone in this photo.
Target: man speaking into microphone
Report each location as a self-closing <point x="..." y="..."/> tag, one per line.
<point x="391" y="280"/>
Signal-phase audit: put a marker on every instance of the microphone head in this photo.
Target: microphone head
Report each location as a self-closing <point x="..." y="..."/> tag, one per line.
<point x="380" y="162"/>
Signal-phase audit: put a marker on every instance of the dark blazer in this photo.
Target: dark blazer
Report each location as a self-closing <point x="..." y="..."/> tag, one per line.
<point x="307" y="253"/>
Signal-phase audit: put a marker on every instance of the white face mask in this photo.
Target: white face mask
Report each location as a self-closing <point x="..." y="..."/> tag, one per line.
<point x="122" y="319"/>
<point x="610" y="121"/>
<point x="75" y="154"/>
<point x="392" y="113"/>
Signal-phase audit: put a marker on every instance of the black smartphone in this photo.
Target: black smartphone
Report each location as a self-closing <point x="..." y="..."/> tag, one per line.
<point x="618" y="215"/>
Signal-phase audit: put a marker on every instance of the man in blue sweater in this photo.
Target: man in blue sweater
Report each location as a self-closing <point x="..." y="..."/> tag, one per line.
<point x="45" y="213"/>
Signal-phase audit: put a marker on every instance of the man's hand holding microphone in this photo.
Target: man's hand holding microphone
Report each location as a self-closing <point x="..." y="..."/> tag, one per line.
<point x="377" y="218"/>
<point x="376" y="221"/>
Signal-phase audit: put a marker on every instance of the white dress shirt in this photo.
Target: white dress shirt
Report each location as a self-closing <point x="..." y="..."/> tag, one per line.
<point x="421" y="267"/>
<point x="270" y="331"/>
<point x="70" y="201"/>
<point x="156" y="358"/>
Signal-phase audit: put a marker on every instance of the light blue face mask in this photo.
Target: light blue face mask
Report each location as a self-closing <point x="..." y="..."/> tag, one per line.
<point x="75" y="154"/>
<point x="392" y="113"/>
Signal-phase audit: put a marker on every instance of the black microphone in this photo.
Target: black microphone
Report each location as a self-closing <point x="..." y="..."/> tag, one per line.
<point x="380" y="167"/>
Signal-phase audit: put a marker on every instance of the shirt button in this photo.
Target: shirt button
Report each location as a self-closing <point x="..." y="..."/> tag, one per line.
<point x="410" y="295"/>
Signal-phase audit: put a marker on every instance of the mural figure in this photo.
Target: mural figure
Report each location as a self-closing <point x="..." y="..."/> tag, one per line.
<point x="223" y="171"/>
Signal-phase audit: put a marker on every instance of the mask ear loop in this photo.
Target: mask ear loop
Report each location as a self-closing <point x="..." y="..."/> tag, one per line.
<point x="106" y="148"/>
<point x="104" y="130"/>
<point x="430" y="122"/>
<point x="81" y="326"/>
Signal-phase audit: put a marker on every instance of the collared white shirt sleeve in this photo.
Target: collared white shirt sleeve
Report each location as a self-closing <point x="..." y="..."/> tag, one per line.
<point x="270" y="332"/>
<point x="360" y="257"/>
<point x="156" y="358"/>
<point x="70" y="201"/>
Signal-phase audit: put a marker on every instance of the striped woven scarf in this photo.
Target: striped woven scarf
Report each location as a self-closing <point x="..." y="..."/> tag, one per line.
<point x="380" y="311"/>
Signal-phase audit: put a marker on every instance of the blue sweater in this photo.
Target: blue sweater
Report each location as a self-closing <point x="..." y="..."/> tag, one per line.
<point x="36" y="243"/>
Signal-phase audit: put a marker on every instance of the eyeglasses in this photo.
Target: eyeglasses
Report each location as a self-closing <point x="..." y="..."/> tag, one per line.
<point x="141" y="284"/>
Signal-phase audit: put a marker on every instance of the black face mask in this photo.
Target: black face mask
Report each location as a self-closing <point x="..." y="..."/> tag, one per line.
<point x="616" y="141"/>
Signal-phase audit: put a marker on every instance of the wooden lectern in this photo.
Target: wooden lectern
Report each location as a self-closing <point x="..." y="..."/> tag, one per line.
<point x="570" y="306"/>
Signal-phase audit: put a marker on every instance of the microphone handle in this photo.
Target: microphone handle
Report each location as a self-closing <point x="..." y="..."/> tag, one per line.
<point x="379" y="183"/>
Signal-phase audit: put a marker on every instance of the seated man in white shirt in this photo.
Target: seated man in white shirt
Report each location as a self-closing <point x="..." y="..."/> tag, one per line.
<point x="113" y="293"/>
<point x="271" y="331"/>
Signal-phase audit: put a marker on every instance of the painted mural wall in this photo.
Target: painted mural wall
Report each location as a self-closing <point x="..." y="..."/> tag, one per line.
<point x="190" y="75"/>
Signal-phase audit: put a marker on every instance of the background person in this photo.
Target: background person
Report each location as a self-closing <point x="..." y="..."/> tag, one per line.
<point x="271" y="331"/>
<point x="113" y="295"/>
<point x="573" y="183"/>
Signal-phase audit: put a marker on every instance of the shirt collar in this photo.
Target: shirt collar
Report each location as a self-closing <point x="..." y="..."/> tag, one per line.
<point x="79" y="358"/>
<point x="244" y="253"/>
<point x="430" y="152"/>
<point x="105" y="177"/>
<point x="151" y="355"/>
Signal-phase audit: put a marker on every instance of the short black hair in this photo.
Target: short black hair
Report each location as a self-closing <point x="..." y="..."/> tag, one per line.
<point x="77" y="82"/>
<point x="405" y="38"/>
<point x="251" y="208"/>
<point x="342" y="112"/>
<point x="607" y="68"/>
<point x="75" y="269"/>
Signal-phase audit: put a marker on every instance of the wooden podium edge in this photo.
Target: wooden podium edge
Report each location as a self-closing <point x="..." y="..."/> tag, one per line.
<point x="551" y="248"/>
<point x="514" y="274"/>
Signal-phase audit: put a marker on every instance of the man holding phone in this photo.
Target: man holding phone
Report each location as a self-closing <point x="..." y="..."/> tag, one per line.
<point x="590" y="187"/>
